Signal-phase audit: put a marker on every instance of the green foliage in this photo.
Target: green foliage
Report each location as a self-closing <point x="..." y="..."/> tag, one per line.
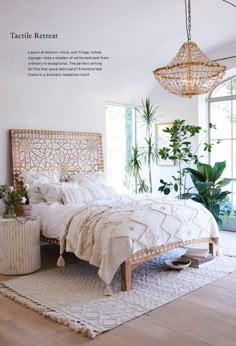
<point x="181" y="152"/>
<point x="129" y="132"/>
<point x="147" y="115"/>
<point x="227" y="209"/>
<point x="135" y="165"/>
<point x="12" y="197"/>
<point x="148" y="154"/>
<point x="208" y="183"/>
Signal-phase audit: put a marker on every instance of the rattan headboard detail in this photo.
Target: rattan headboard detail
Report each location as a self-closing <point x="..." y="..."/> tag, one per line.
<point x="68" y="152"/>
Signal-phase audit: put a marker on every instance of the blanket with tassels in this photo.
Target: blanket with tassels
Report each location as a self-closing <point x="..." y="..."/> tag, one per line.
<point x="106" y="233"/>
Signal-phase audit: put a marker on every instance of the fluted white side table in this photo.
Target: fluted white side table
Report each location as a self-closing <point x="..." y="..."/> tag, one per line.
<point x="19" y="246"/>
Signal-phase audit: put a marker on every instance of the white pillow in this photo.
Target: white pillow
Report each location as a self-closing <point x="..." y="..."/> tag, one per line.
<point x="33" y="178"/>
<point x="96" y="183"/>
<point x="35" y="195"/>
<point x="103" y="191"/>
<point x="76" y="195"/>
<point x="89" y="179"/>
<point x="51" y="192"/>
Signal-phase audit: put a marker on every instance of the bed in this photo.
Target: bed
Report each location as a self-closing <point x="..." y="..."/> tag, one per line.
<point x="181" y="222"/>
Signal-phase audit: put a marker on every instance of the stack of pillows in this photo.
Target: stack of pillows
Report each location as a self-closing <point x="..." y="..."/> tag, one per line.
<point x="83" y="188"/>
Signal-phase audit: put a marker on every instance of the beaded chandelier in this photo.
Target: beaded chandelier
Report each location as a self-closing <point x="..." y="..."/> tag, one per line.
<point x="190" y="72"/>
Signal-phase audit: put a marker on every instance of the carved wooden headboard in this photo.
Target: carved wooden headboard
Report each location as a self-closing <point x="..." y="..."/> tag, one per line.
<point x="68" y="152"/>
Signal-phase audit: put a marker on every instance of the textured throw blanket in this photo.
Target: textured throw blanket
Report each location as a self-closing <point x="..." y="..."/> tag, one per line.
<point x="105" y="234"/>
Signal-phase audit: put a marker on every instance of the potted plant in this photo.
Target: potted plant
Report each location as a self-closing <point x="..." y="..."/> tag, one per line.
<point x="15" y="200"/>
<point x="228" y="215"/>
<point x="208" y="185"/>
<point x="182" y="153"/>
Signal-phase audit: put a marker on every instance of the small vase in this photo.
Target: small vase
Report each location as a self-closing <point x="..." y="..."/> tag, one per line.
<point x="9" y="211"/>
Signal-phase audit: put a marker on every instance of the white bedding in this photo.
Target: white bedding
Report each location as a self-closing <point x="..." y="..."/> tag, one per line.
<point x="51" y="217"/>
<point x="107" y="232"/>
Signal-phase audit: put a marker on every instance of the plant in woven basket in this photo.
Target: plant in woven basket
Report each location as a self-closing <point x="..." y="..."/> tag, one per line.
<point x="12" y="197"/>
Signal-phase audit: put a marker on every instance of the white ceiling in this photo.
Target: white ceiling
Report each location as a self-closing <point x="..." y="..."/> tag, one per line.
<point x="138" y="35"/>
<point x="147" y="27"/>
<point x="146" y="34"/>
<point x="157" y="27"/>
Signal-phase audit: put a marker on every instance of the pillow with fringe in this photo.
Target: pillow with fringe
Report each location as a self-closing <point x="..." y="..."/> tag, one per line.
<point x="52" y="193"/>
<point x="96" y="183"/>
<point x="35" y="195"/>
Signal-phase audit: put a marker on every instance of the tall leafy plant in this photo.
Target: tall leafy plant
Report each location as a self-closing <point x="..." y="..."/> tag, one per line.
<point x="208" y="185"/>
<point x="181" y="151"/>
<point x="148" y="154"/>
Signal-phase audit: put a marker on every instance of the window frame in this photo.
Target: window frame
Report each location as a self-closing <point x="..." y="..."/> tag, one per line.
<point x="231" y="98"/>
<point x="124" y="105"/>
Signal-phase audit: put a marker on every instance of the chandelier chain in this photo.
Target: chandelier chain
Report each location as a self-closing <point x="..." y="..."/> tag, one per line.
<point x="191" y="72"/>
<point x="188" y="19"/>
<point x="230" y="3"/>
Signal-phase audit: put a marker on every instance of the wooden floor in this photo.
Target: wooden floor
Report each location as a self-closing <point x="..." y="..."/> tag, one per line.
<point x="206" y="316"/>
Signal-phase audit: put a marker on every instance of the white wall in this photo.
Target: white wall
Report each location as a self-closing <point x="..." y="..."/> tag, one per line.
<point x="55" y="103"/>
<point x="126" y="31"/>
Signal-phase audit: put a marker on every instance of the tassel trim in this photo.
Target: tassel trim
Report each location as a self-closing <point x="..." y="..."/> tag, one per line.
<point x="61" y="261"/>
<point x="108" y="291"/>
<point x="77" y="326"/>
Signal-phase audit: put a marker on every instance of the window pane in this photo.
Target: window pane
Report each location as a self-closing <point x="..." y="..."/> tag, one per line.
<point x="234" y="173"/>
<point x="234" y="86"/>
<point x="220" y="115"/>
<point x="234" y="118"/>
<point x="223" y="115"/>
<point x="221" y="152"/>
<point x="234" y="195"/>
<point x="120" y="137"/>
<point x="223" y="89"/>
<point x="140" y="132"/>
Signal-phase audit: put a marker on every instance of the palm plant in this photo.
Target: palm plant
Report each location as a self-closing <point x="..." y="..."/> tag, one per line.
<point x="147" y="154"/>
<point x="208" y="183"/>
<point x="135" y="169"/>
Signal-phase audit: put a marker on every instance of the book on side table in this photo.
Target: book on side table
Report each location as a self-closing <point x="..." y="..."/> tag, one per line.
<point x="198" y="257"/>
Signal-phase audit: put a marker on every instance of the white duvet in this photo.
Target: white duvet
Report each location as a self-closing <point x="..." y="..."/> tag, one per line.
<point x="107" y="232"/>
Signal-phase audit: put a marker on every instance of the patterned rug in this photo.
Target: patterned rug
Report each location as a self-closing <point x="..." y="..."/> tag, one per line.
<point x="73" y="295"/>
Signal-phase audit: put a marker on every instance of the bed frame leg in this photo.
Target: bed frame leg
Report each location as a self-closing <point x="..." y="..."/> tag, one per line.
<point x="213" y="248"/>
<point x="126" y="276"/>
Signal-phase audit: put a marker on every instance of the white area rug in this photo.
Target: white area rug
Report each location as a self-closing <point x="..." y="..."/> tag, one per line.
<point x="73" y="295"/>
<point x="228" y="243"/>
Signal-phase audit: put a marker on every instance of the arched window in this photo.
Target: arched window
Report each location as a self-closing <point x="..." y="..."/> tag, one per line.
<point x="222" y="113"/>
